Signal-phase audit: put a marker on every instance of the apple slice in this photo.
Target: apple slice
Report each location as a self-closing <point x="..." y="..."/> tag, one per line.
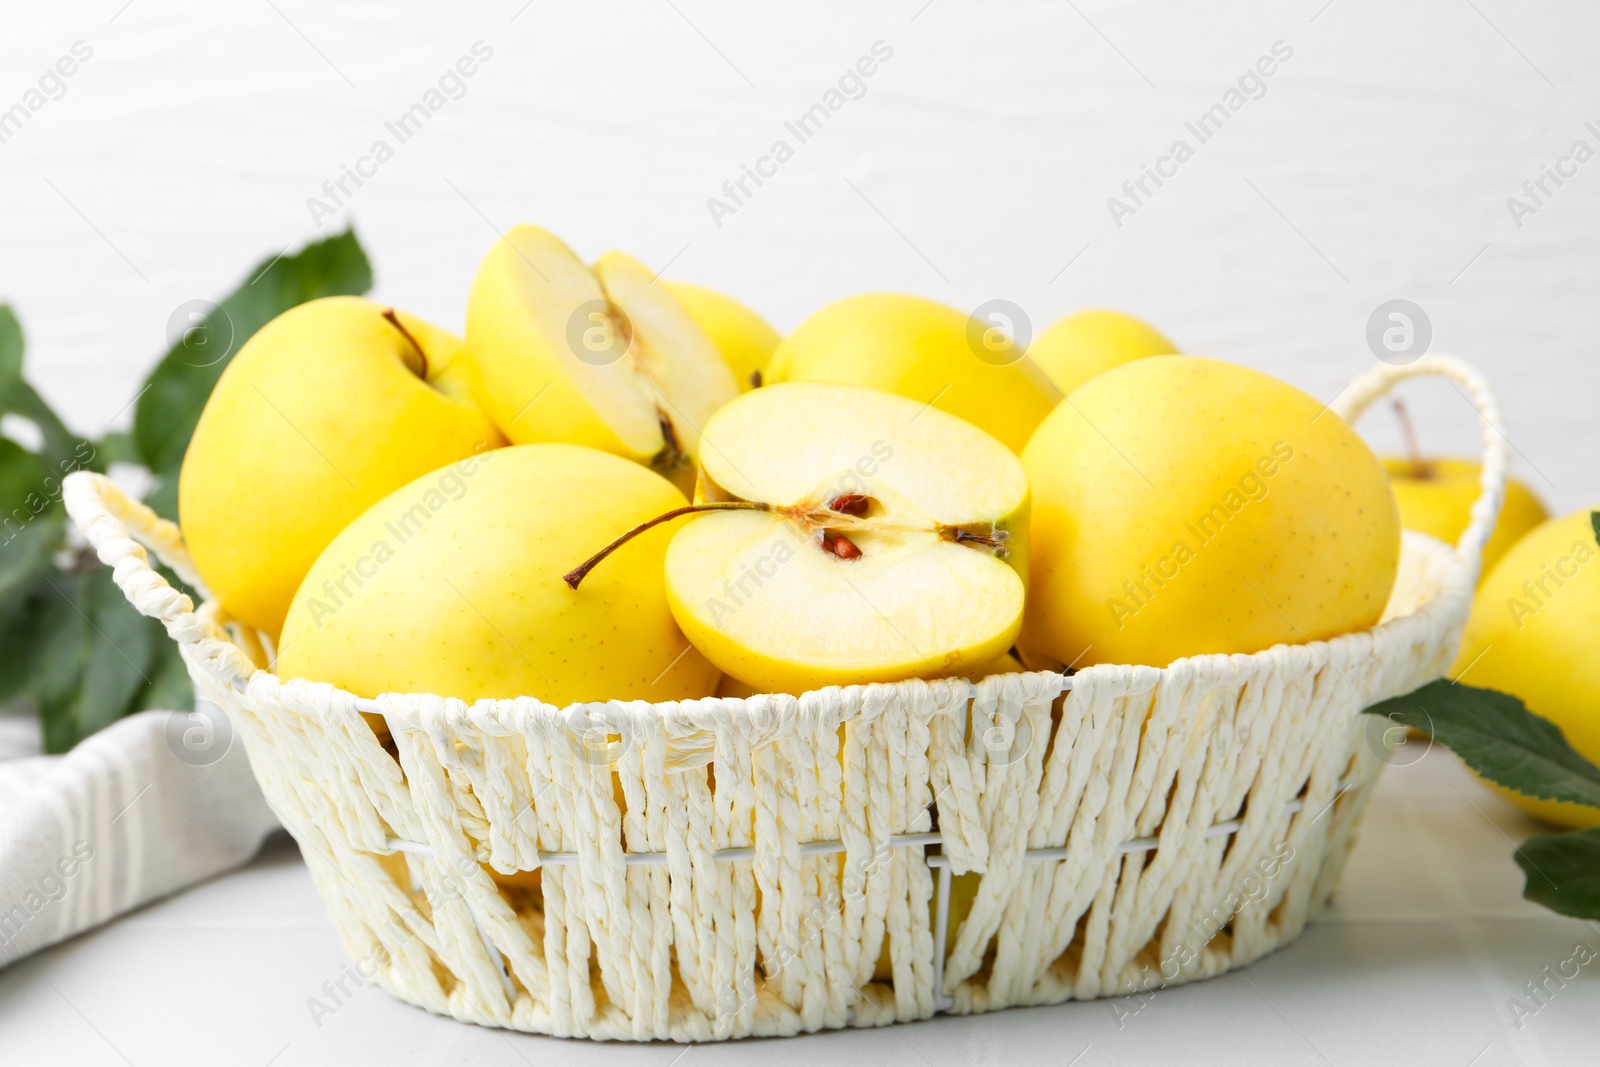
<point x="684" y="373"/>
<point x="848" y="535"/>
<point x="606" y="358"/>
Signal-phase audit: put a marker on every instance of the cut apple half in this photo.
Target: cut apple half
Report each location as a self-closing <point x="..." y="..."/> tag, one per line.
<point x="606" y="358"/>
<point x="847" y="535"/>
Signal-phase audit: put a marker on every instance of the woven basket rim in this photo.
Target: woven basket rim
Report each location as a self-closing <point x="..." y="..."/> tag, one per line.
<point x="1203" y="662"/>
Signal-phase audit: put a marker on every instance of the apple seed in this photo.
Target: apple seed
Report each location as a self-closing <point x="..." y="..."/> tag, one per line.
<point x="840" y="545"/>
<point x="850" y="504"/>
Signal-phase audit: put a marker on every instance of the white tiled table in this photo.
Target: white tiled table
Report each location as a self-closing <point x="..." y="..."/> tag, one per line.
<point x="1416" y="965"/>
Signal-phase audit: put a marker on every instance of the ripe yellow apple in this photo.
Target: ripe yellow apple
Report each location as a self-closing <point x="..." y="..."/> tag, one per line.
<point x="1532" y="634"/>
<point x="923" y="350"/>
<point x="1435" y="497"/>
<point x="604" y="358"/>
<point x="1005" y="664"/>
<point x="325" y="410"/>
<point x="1088" y="343"/>
<point x="743" y="337"/>
<point x="452" y="585"/>
<point x="1185" y="506"/>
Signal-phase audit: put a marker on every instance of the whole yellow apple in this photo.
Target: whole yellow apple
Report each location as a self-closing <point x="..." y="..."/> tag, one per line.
<point x="452" y="585"/>
<point x="1088" y="343"/>
<point x="1532" y="634"/>
<point x="1435" y="497"/>
<point x="324" y="411"/>
<point x="923" y="350"/>
<point x="1185" y="506"/>
<point x="743" y="337"/>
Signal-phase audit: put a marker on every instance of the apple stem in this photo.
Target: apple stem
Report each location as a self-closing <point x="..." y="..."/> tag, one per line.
<point x="1419" y="466"/>
<point x="422" y="357"/>
<point x="578" y="573"/>
<point x="672" y="456"/>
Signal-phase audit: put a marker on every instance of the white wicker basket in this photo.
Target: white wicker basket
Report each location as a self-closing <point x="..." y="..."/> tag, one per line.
<point x="723" y="867"/>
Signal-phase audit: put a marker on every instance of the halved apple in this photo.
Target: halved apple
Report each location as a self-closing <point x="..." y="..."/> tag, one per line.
<point x="605" y="358"/>
<point x="850" y="535"/>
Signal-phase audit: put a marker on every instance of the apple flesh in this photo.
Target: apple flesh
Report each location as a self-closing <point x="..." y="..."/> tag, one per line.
<point x="884" y="540"/>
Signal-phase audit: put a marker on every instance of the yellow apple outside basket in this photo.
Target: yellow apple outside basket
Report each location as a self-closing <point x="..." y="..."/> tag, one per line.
<point x="718" y="868"/>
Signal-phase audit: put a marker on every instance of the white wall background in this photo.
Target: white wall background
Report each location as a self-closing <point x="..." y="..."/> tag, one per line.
<point x="977" y="165"/>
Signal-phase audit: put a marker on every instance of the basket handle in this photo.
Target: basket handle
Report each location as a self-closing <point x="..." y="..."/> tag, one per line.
<point x="1377" y="383"/>
<point x="119" y="530"/>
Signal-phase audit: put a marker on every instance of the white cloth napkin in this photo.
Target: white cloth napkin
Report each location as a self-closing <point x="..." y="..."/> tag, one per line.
<point x="145" y="807"/>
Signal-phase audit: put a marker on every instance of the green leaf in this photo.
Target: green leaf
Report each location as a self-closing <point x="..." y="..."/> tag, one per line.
<point x="62" y="449"/>
<point x="31" y="522"/>
<point x="1497" y="736"/>
<point x="118" y="447"/>
<point x="20" y="636"/>
<point x="10" y="343"/>
<point x="162" y="498"/>
<point x="178" y="388"/>
<point x="94" y="654"/>
<point x="27" y="553"/>
<point x="1594" y="524"/>
<point x="57" y="654"/>
<point x="17" y="397"/>
<point x="120" y="647"/>
<point x="1563" y="872"/>
<point x="170" y="688"/>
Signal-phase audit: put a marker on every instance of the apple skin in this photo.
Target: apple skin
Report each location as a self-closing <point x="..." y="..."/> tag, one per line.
<point x="528" y="290"/>
<point x="469" y="601"/>
<point x="1288" y="530"/>
<point x="1089" y="343"/>
<point x="919" y="349"/>
<point x="317" y="417"/>
<point x="744" y="338"/>
<point x="1440" y="504"/>
<point x="1539" y="645"/>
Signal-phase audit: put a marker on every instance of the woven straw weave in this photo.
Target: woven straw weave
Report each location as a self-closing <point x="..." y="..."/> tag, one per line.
<point x="724" y="867"/>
